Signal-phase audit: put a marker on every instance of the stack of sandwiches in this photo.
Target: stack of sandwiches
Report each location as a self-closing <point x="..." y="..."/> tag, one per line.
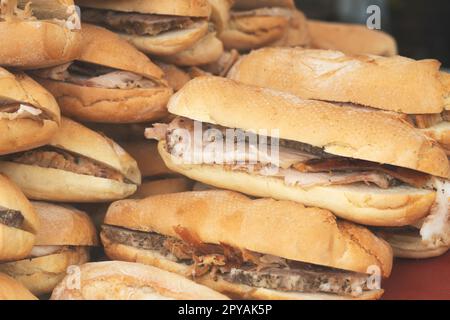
<point x="317" y="154"/>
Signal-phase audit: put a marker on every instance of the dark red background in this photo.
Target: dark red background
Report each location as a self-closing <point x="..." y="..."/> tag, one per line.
<point x="419" y="279"/>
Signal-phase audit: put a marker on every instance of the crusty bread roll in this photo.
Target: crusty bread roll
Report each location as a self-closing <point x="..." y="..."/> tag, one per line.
<point x="190" y="8"/>
<point x="220" y="13"/>
<point x="51" y="39"/>
<point x="351" y="38"/>
<point x="339" y="130"/>
<point x="98" y="104"/>
<point x="228" y="218"/>
<point x="25" y="133"/>
<point x="370" y="81"/>
<point x="51" y="184"/>
<point x="16" y="242"/>
<point x="60" y="228"/>
<point x="10" y="289"/>
<point x="297" y="34"/>
<point x="234" y="219"/>
<point x="114" y="280"/>
<point x="207" y="50"/>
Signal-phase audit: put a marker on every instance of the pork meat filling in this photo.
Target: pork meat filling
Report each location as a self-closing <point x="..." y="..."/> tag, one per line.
<point x="242" y="266"/>
<point x="63" y="160"/>
<point x="11" y="218"/>
<point x="136" y="23"/>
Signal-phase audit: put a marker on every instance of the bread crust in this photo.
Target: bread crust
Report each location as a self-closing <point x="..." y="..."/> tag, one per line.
<point x="10" y="289"/>
<point x="340" y="130"/>
<point x="207" y="50"/>
<point x="297" y="33"/>
<point x="110" y="105"/>
<point x="333" y="76"/>
<point x="56" y="185"/>
<point x="353" y="39"/>
<point x="23" y="134"/>
<point x="48" y="44"/>
<point x="252" y="32"/>
<point x="131" y="254"/>
<point x="41" y="275"/>
<point x="191" y="8"/>
<point x="232" y="218"/>
<point x="64" y="225"/>
<point x="103" y="47"/>
<point x="366" y="205"/>
<point x="175" y="77"/>
<point x="116" y="280"/>
<point x="171" y="42"/>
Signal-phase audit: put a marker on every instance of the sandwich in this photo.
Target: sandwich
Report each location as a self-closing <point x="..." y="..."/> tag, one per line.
<point x="115" y="280"/>
<point x="78" y="165"/>
<point x="18" y="222"/>
<point x="353" y="39"/>
<point x="63" y="239"/>
<point x="29" y="115"/>
<point x="51" y="28"/>
<point x="367" y="166"/>
<point x="110" y="82"/>
<point x="175" y="76"/>
<point x="415" y="90"/>
<point x="219" y="239"/>
<point x="256" y="24"/>
<point x="158" y="28"/>
<point x="10" y="289"/>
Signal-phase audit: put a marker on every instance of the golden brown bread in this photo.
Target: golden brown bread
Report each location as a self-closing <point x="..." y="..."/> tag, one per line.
<point x="10" y="289"/>
<point x="115" y="280"/>
<point x="63" y="226"/>
<point x="340" y="130"/>
<point x="192" y="8"/>
<point x="48" y="44"/>
<point x="16" y="243"/>
<point x="206" y="50"/>
<point x="22" y="133"/>
<point x="308" y="234"/>
<point x="96" y="104"/>
<point x="220" y="13"/>
<point x="175" y="77"/>
<point x="396" y="83"/>
<point x="49" y="184"/>
<point x="396" y="206"/>
<point x="351" y="38"/>
<point x="297" y="34"/>
<point x="103" y="47"/>
<point x="41" y="275"/>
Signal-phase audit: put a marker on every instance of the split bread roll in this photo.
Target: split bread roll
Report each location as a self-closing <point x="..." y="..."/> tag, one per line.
<point x="111" y="82"/>
<point x="79" y="165"/>
<point x="51" y="28"/>
<point x="19" y="222"/>
<point x="321" y="143"/>
<point x="389" y="83"/>
<point x="29" y="115"/>
<point x="200" y="223"/>
<point x="351" y="38"/>
<point x="10" y="289"/>
<point x="173" y="27"/>
<point x="63" y="239"/>
<point x="114" y="280"/>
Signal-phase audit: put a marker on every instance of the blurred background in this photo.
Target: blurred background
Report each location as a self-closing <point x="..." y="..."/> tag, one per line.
<point x="421" y="27"/>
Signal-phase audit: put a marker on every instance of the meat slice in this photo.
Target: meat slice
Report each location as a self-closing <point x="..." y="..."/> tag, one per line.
<point x="11" y="218"/>
<point x="136" y="23"/>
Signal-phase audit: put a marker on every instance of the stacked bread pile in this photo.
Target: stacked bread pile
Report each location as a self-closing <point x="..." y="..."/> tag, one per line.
<point x="344" y="167"/>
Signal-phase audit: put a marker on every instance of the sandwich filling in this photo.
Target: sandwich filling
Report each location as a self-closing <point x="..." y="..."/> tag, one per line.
<point x="242" y="266"/>
<point x="16" y="110"/>
<point x="138" y="24"/>
<point x="11" y="218"/>
<point x="93" y="75"/>
<point x="300" y="165"/>
<point x="42" y="251"/>
<point x="54" y="158"/>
